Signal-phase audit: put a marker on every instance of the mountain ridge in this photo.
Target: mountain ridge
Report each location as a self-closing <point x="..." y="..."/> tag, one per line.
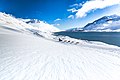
<point x="106" y="23"/>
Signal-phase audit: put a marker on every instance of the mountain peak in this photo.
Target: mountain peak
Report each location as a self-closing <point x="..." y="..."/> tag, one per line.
<point x="105" y="23"/>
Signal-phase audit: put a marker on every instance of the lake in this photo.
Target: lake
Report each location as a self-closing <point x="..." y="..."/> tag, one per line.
<point x="106" y="37"/>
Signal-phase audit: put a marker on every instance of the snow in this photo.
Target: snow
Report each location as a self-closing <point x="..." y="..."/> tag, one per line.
<point x="110" y="22"/>
<point x="28" y="57"/>
<point x="39" y="28"/>
<point x="105" y="24"/>
<point x="44" y="27"/>
<point x="110" y="26"/>
<point x="41" y="25"/>
<point x="11" y="22"/>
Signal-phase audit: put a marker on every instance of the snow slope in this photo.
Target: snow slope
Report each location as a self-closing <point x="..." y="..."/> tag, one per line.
<point x="10" y="22"/>
<point x="40" y="29"/>
<point x="28" y="57"/>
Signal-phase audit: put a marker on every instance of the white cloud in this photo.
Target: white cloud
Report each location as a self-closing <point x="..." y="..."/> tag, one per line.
<point x="58" y="19"/>
<point x="57" y="24"/>
<point x="71" y="16"/>
<point x="93" y="5"/>
<point x="72" y="10"/>
<point x="74" y="5"/>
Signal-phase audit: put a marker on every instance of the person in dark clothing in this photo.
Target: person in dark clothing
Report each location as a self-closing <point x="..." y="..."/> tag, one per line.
<point x="60" y="39"/>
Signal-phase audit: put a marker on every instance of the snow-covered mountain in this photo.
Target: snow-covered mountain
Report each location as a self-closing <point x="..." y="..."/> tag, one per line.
<point x="74" y="30"/>
<point x="27" y="57"/>
<point x="106" y="23"/>
<point x="10" y="22"/>
<point x="29" y="26"/>
<point x="23" y="25"/>
<point x="41" y="25"/>
<point x="31" y="20"/>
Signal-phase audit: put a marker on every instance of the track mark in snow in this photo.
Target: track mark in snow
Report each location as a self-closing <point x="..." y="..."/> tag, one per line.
<point x="33" y="58"/>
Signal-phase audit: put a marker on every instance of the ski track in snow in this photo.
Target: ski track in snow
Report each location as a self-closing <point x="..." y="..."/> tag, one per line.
<point x="25" y="57"/>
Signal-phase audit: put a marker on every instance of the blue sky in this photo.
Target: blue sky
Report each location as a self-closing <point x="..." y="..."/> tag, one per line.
<point x="63" y="14"/>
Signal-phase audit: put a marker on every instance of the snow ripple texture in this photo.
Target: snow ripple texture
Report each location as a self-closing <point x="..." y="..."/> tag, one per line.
<point x="25" y="57"/>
